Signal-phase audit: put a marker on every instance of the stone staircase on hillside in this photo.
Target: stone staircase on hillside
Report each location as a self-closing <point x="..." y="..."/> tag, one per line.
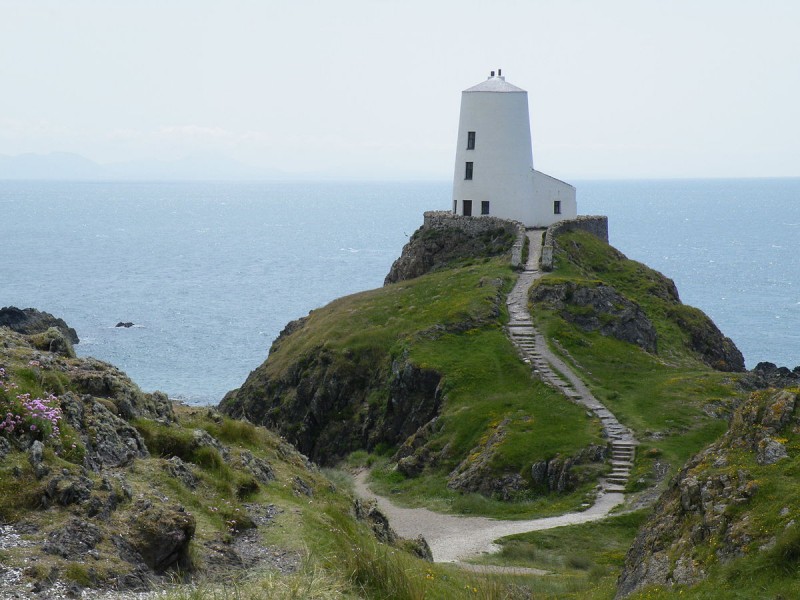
<point x="554" y="371"/>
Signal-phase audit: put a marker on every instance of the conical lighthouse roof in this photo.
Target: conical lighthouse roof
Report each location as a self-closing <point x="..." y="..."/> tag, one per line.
<point x="494" y="84"/>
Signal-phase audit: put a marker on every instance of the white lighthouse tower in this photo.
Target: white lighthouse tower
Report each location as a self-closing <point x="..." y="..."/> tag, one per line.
<point x="494" y="172"/>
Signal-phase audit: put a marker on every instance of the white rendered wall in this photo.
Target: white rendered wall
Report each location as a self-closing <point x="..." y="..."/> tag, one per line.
<point x="503" y="160"/>
<point x="502" y="156"/>
<point x="546" y="190"/>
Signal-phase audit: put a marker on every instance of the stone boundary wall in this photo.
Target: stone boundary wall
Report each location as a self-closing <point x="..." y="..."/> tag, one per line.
<point x="441" y="219"/>
<point x="597" y="225"/>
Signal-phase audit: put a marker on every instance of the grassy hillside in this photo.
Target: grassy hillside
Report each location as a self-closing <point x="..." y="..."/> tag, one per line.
<point x="672" y="398"/>
<point x="432" y="349"/>
<point x="103" y="486"/>
<point x="727" y="527"/>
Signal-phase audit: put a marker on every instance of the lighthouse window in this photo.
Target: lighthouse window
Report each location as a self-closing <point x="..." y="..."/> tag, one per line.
<point x="556" y="207"/>
<point x="467" y="208"/>
<point x="468" y="173"/>
<point x="470" y="140"/>
<point x="484" y="207"/>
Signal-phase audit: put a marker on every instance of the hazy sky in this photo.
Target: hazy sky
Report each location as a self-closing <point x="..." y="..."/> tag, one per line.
<point x="366" y="89"/>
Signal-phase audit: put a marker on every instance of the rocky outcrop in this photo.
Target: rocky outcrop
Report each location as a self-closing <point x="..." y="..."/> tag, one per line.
<point x="160" y="534"/>
<point x="607" y="292"/>
<point x="558" y="474"/>
<point x="706" y="515"/>
<point x="766" y="375"/>
<point x="326" y="406"/>
<point x="29" y="321"/>
<point x="110" y="441"/>
<point x="594" y="306"/>
<point x="446" y="238"/>
<point x="705" y="338"/>
<point x="53" y="340"/>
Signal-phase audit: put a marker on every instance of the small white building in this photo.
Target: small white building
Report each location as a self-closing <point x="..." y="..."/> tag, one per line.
<point x="494" y="172"/>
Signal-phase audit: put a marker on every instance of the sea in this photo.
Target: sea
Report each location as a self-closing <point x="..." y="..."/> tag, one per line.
<point x="209" y="273"/>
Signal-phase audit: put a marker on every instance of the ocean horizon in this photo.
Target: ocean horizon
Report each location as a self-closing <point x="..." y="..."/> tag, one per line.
<point x="210" y="272"/>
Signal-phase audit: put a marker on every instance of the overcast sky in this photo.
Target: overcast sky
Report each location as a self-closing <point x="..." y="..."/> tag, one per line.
<point x="365" y="89"/>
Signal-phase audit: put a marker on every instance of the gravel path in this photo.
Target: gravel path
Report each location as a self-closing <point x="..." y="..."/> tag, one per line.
<point x="455" y="538"/>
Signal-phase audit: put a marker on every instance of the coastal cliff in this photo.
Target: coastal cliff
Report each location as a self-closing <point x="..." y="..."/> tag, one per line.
<point x="421" y="373"/>
<point x="729" y="515"/>
<point x="108" y="488"/>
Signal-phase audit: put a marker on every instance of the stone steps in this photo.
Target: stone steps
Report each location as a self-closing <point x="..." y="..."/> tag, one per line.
<point x="546" y="366"/>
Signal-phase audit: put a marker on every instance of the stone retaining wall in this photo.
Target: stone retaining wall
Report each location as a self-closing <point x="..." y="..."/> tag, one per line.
<point x="597" y="225"/>
<point x="440" y="219"/>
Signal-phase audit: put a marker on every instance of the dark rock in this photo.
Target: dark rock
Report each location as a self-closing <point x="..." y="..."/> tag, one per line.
<point x="766" y="375"/>
<point x="367" y="511"/>
<point x="257" y="467"/>
<point x="30" y="321"/>
<point x="35" y="457"/>
<point x="125" y="324"/>
<point x="301" y="487"/>
<point x="322" y="402"/>
<point x="598" y="307"/>
<point x="5" y="447"/>
<point x="115" y="442"/>
<point x="202" y="439"/>
<point x="433" y="247"/>
<point x="160" y="534"/>
<point x="67" y="489"/>
<point x="419" y="547"/>
<point x="181" y="471"/>
<point x="694" y="510"/>
<point x="74" y="540"/>
<point x="705" y="338"/>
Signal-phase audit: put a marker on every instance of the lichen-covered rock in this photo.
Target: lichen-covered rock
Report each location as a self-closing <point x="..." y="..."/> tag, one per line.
<point x="443" y="240"/>
<point x="767" y="374"/>
<point x="597" y="307"/>
<point x="35" y="458"/>
<point x="53" y="340"/>
<point x="257" y="467"/>
<point x="367" y="510"/>
<point x="181" y="471"/>
<point x="160" y="534"/>
<point x="703" y="507"/>
<point x="66" y="489"/>
<point x="74" y="540"/>
<point x="110" y="441"/>
<point x="322" y="403"/>
<point x="202" y="439"/>
<point x="30" y="321"/>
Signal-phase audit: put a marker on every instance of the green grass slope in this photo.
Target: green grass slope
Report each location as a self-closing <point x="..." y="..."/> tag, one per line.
<point x="675" y="402"/>
<point x="242" y="513"/>
<point x="432" y="350"/>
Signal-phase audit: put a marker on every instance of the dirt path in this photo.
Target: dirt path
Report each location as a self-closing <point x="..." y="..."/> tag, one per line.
<point x="455" y="538"/>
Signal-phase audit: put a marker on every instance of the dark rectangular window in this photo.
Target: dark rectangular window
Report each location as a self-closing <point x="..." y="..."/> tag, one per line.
<point x="484" y="207"/>
<point x="455" y="207"/>
<point x="470" y="140"/>
<point x="556" y="207"/>
<point x="467" y="208"/>
<point x="468" y="173"/>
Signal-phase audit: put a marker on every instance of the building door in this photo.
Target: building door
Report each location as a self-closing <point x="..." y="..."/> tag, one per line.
<point x="467" y="208"/>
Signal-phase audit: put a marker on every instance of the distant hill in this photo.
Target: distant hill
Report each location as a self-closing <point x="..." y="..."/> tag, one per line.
<point x="66" y="166"/>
